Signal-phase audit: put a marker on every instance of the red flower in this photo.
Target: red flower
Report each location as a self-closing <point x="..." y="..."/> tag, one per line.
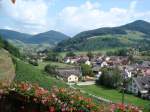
<point x="52" y="109"/>
<point x="24" y="86"/>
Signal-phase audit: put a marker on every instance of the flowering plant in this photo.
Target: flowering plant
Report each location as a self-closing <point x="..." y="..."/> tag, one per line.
<point x="57" y="99"/>
<point x="62" y="100"/>
<point x="124" y="108"/>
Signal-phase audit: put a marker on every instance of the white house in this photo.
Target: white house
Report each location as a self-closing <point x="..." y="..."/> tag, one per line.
<point x="128" y="73"/>
<point x="140" y="86"/>
<point x="72" y="61"/>
<point x="104" y="64"/>
<point x="67" y="60"/>
<point x="73" y="78"/>
<point x="88" y="62"/>
<point x="71" y="74"/>
<point x="107" y="58"/>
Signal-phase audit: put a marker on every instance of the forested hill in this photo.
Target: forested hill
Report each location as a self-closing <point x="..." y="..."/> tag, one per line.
<point x="133" y="34"/>
<point x="50" y="37"/>
<point x="7" y="46"/>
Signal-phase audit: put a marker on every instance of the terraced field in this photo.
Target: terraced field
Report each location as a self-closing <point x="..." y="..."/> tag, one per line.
<point x="7" y="71"/>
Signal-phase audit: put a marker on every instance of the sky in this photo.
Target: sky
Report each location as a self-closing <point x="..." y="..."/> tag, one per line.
<point x="70" y="16"/>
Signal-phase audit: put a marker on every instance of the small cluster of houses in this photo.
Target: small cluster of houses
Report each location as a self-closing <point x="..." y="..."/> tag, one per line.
<point x="140" y="86"/>
<point x="138" y="73"/>
<point x="97" y="62"/>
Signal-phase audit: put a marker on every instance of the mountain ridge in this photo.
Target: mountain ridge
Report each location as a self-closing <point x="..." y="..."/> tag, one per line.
<point x="130" y="35"/>
<point x="49" y="37"/>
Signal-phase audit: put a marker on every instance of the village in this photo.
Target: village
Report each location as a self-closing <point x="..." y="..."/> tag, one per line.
<point x="74" y="56"/>
<point x="86" y="69"/>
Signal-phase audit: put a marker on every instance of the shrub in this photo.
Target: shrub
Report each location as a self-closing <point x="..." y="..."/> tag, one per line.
<point x="53" y="56"/>
<point x="33" y="62"/>
<point x="50" y="69"/>
<point x="110" y="77"/>
<point x="70" y="54"/>
<point x="86" y="70"/>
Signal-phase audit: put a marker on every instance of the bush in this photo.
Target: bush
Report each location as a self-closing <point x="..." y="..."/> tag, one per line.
<point x="86" y="70"/>
<point x="145" y="53"/>
<point x="53" y="56"/>
<point x="34" y="62"/>
<point x="50" y="69"/>
<point x="110" y="77"/>
<point x="70" y="54"/>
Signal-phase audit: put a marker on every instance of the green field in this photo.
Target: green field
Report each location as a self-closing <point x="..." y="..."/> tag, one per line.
<point x="43" y="64"/>
<point x="113" y="95"/>
<point x="102" y="51"/>
<point x="29" y="73"/>
<point x="142" y="58"/>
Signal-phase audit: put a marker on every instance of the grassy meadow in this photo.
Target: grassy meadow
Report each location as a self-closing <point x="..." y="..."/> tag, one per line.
<point x="101" y="51"/>
<point x="113" y="95"/>
<point x="58" y="64"/>
<point x="30" y="73"/>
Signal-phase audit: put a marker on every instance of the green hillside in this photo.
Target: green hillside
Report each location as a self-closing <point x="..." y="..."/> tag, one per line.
<point x="29" y="73"/>
<point x="130" y="35"/>
<point x="20" y="70"/>
<point x="50" y="38"/>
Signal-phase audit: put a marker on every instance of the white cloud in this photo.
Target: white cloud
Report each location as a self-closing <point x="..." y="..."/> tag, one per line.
<point x="33" y="16"/>
<point x="90" y="16"/>
<point x="133" y="5"/>
<point x="26" y="13"/>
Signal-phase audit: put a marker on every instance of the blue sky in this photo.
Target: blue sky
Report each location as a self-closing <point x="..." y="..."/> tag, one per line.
<point x="70" y="16"/>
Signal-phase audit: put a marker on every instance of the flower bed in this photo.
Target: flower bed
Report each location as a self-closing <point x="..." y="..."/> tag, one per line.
<point x="32" y="98"/>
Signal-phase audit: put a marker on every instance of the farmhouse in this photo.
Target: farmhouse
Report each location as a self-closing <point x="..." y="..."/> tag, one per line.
<point x="71" y="74"/>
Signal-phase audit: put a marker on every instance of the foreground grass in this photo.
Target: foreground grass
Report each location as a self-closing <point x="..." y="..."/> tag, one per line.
<point x="27" y="72"/>
<point x="114" y="95"/>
